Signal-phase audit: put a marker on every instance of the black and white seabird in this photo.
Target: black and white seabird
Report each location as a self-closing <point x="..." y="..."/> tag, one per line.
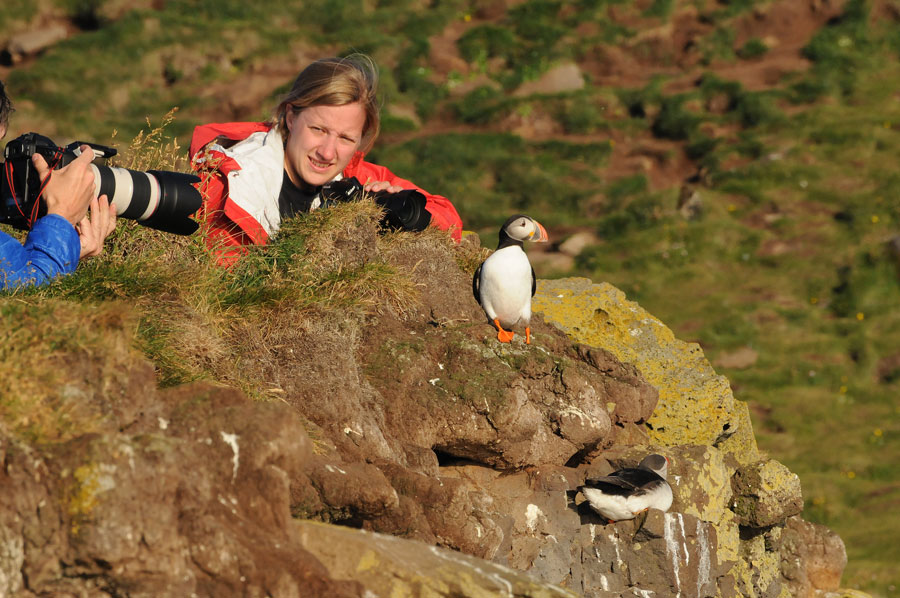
<point x="626" y="492"/>
<point x="504" y="283"/>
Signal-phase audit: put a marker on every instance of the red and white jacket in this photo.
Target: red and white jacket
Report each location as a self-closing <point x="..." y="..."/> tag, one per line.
<point x="241" y="166"/>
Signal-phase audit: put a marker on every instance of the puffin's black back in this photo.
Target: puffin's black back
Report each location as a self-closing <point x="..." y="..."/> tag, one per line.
<point x="631" y="480"/>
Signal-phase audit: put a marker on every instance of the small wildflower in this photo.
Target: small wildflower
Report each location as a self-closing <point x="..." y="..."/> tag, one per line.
<point x="877" y="432"/>
<point x="860" y="316"/>
<point x="851" y="474"/>
<point x="843" y="390"/>
<point x="813" y="300"/>
<point x="731" y="207"/>
<point x="467" y="17"/>
<point x="875" y="219"/>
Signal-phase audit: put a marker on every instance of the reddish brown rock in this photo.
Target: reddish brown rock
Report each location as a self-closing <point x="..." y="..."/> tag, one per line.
<point x="812" y="558"/>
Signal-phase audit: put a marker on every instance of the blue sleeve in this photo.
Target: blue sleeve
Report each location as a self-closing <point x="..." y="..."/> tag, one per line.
<point x="52" y="248"/>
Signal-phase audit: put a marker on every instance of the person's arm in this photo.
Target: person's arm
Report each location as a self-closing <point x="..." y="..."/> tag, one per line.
<point x="224" y="238"/>
<point x="52" y="248"/>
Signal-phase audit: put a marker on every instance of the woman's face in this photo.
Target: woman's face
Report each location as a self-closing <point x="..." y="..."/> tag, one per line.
<point x="321" y="142"/>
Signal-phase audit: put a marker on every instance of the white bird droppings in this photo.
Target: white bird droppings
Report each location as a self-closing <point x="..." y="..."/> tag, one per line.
<point x="703" y="575"/>
<point x="232" y="441"/>
<point x="532" y="513"/>
<point x="674" y="546"/>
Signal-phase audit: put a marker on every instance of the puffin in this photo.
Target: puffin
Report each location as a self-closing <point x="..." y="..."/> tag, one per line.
<point x="627" y="492"/>
<point x="504" y="283"/>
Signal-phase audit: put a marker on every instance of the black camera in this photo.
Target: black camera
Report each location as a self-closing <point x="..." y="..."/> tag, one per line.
<point x="158" y="199"/>
<point x="404" y="210"/>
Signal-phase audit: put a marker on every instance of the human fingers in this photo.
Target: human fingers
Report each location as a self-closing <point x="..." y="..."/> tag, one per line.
<point x="40" y="165"/>
<point x="107" y="216"/>
<point x="376" y="186"/>
<point x="70" y="191"/>
<point x="90" y="231"/>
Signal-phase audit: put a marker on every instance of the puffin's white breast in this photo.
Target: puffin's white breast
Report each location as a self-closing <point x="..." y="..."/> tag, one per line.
<point x="505" y="286"/>
<point x="613" y="507"/>
<point x="617" y="507"/>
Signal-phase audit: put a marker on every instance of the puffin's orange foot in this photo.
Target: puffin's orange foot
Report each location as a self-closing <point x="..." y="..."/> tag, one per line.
<point x="527" y="335"/>
<point x="504" y="336"/>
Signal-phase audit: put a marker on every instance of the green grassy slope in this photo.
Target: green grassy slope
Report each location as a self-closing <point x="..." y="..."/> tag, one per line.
<point x="797" y="178"/>
<point x="790" y="259"/>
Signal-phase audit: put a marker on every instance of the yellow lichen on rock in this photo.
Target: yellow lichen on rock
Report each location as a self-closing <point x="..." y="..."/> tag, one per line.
<point x="89" y="481"/>
<point x="695" y="406"/>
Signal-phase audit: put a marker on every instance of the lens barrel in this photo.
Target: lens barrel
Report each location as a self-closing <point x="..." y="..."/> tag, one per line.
<point x="158" y="199"/>
<point x="404" y="210"/>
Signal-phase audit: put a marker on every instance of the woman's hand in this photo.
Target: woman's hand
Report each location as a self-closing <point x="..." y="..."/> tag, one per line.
<point x="376" y="186"/>
<point x="93" y="230"/>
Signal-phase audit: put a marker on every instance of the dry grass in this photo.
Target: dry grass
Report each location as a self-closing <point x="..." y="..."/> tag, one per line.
<point x="155" y="149"/>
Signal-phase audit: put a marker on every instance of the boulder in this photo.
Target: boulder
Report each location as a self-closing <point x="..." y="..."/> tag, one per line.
<point x="390" y="566"/>
<point x="766" y="493"/>
<point x="696" y="406"/>
<point x="28" y="43"/>
<point x="559" y="79"/>
<point x="193" y="500"/>
<point x="812" y="558"/>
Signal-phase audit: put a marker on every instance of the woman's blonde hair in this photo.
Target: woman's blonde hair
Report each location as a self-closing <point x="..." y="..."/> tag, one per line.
<point x="335" y="82"/>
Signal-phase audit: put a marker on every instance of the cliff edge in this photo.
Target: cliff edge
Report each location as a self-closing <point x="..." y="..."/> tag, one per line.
<point x="398" y="450"/>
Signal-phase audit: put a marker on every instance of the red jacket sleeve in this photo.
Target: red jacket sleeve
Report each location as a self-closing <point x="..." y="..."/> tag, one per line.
<point x="443" y="214"/>
<point x="224" y="237"/>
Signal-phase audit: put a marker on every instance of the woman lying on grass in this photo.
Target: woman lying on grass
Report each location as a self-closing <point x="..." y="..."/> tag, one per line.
<point x="255" y="174"/>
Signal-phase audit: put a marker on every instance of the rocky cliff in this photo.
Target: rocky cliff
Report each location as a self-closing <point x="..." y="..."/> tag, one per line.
<point x="407" y="453"/>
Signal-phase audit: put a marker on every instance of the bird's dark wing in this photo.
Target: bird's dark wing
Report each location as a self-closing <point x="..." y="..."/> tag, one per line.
<point x="631" y="480"/>
<point x="476" y="284"/>
<point x="533" y="282"/>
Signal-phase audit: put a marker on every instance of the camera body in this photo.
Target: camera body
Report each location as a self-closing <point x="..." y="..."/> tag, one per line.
<point x="404" y="210"/>
<point x="159" y="199"/>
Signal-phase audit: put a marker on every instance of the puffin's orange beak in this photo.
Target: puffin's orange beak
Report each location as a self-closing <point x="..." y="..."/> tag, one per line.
<point x="540" y="233"/>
